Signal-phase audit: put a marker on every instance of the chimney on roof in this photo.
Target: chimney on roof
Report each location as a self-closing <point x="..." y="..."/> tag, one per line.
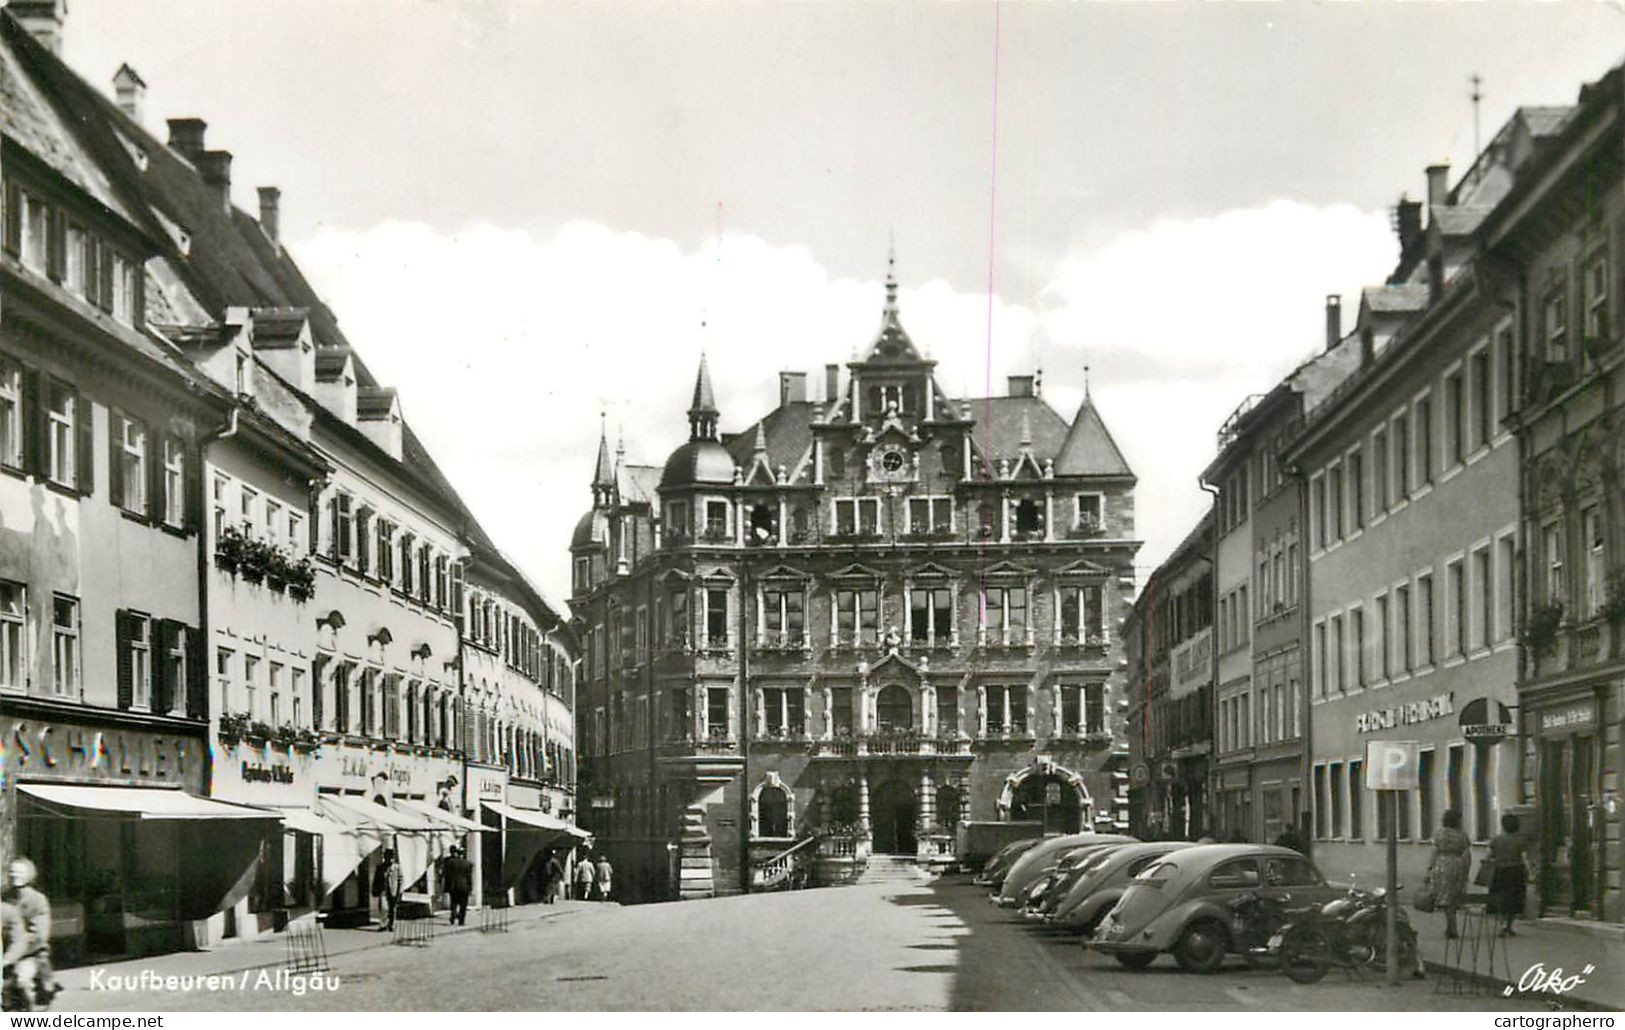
<point x="129" y="91"/>
<point x="1020" y="386"/>
<point x="792" y="387"/>
<point x="215" y="168"/>
<point x="271" y="212"/>
<point x="186" y="136"/>
<point x="1439" y="185"/>
<point x="1334" y="319"/>
<point x="41" y="19"/>
<point x="832" y="382"/>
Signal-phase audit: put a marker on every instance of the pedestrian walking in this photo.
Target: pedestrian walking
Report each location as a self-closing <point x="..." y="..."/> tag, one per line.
<point x="1448" y="868"/>
<point x="554" y="876"/>
<point x="585" y="874"/>
<point x="459" y="884"/>
<point x="386" y="883"/>
<point x="1509" y="872"/>
<point x="31" y="969"/>
<point x="606" y="875"/>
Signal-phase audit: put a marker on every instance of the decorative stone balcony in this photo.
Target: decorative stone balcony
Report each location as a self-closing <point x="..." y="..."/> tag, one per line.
<point x="705" y="759"/>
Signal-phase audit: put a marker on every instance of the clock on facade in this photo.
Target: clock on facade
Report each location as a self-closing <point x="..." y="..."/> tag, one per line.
<point x="890" y="463"/>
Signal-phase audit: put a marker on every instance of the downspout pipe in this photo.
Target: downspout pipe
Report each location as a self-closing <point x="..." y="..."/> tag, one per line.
<point x="207" y="440"/>
<point x="1213" y="650"/>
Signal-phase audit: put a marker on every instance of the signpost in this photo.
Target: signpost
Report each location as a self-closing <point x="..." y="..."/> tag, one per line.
<point x="1392" y="766"/>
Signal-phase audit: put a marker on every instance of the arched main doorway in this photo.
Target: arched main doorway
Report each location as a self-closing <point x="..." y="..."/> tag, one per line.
<point x="894" y="708"/>
<point x="892" y="811"/>
<point x="1050" y="800"/>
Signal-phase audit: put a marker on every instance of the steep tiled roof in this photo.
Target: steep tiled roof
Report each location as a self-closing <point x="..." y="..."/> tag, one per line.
<point x="226" y="260"/>
<point x="1001" y="422"/>
<point x="28" y="116"/>
<point x="1089" y="449"/>
<point x="639" y="484"/>
<point x="788" y="432"/>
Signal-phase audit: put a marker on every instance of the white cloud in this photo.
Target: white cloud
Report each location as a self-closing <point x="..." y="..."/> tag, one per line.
<point x="505" y="346"/>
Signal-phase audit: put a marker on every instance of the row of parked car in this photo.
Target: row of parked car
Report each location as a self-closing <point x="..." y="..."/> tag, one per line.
<point x="1199" y="902"/>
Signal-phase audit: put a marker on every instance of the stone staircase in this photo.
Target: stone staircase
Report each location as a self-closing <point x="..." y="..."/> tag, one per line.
<point x="892" y="869"/>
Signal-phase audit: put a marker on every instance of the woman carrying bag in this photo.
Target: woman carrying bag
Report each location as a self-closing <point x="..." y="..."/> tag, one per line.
<point x="1447" y="872"/>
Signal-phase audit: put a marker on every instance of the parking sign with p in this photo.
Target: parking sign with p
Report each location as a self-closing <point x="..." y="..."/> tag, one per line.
<point x="1393" y="764"/>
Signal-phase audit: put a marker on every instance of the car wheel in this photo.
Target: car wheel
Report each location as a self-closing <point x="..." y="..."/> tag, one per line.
<point x="1201" y="947"/>
<point x="1136" y="959"/>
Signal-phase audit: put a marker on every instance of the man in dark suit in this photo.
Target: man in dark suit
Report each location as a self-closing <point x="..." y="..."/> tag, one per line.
<point x="459" y="884"/>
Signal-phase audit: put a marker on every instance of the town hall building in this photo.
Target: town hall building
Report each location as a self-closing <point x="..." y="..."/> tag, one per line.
<point x="851" y="626"/>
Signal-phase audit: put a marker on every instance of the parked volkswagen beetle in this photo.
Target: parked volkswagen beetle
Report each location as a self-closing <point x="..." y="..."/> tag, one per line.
<point x="993" y="873"/>
<point x="1180" y="903"/>
<point x="1033" y="864"/>
<point x="1104" y="881"/>
<point x="1074" y="866"/>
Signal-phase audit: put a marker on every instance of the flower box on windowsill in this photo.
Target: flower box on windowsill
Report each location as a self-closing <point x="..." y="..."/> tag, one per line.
<point x="1085" y="530"/>
<point x="1027" y="536"/>
<point x="717" y="536"/>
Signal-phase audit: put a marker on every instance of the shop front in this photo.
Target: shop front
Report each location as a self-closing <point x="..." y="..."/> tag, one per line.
<point x="1568" y="737"/>
<point x="132" y="856"/>
<point x="487" y="783"/>
<point x="528" y="837"/>
<point x="373" y="796"/>
<point x="280" y="777"/>
<point x="1463" y="766"/>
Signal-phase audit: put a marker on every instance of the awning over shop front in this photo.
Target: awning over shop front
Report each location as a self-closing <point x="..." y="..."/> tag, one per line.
<point x="216" y="844"/>
<point x="532" y="819"/>
<point x="454" y="821"/>
<point x="529" y="834"/>
<point x="307" y="821"/>
<point x="142" y="802"/>
<point x="417" y="840"/>
<point x="395" y="820"/>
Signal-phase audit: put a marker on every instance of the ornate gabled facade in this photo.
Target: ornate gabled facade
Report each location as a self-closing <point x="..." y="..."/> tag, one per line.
<point x="865" y="618"/>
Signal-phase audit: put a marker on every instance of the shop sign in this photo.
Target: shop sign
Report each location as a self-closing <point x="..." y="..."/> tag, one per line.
<point x="361" y="768"/>
<point x="259" y="772"/>
<point x="1405" y="714"/>
<point x="50" y="750"/>
<point x="1486" y="721"/>
<point x="1570" y="717"/>
<point x="1192" y="663"/>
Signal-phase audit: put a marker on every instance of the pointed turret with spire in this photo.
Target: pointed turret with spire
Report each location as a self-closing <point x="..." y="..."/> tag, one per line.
<point x="603" y="475"/>
<point x="702" y="413"/>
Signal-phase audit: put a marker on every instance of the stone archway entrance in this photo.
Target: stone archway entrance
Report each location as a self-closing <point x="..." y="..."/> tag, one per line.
<point x="892" y="814"/>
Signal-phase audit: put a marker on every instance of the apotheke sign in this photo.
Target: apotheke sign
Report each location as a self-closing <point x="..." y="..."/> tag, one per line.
<point x="1405" y="714"/>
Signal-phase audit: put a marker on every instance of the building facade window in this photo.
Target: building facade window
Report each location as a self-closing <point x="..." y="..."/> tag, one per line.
<point x="1004" y="615"/>
<point x="931" y="615"/>
<point x="11" y="414"/>
<point x="65" y="670"/>
<point x="13" y="618"/>
<point x="857" y="616"/>
<point x="61" y="417"/>
<point x="716" y="617"/>
<point x="784" y="611"/>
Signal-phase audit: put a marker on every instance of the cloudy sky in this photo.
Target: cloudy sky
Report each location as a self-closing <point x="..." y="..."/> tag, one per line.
<point x="526" y="213"/>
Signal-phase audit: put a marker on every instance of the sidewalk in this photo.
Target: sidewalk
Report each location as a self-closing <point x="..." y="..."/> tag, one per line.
<point x="1554" y="944"/>
<point x="272" y="951"/>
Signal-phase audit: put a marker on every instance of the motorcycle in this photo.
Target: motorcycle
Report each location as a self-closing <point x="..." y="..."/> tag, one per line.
<point x="1256" y="917"/>
<point x="1350" y="932"/>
